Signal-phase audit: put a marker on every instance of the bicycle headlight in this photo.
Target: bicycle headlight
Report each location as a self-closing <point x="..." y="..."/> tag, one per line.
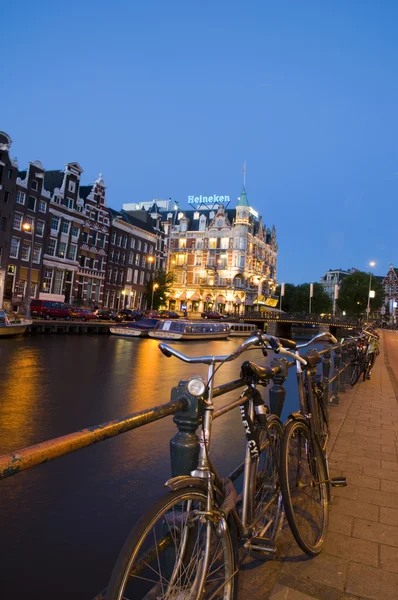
<point x="196" y="386"/>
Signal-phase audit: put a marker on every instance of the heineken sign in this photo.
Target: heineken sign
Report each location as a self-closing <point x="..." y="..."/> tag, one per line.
<point x="208" y="199"/>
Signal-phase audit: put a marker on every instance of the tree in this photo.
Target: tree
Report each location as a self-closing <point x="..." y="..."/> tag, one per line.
<point x="354" y="291"/>
<point x="164" y="283"/>
<point x="287" y="298"/>
<point x="297" y="299"/>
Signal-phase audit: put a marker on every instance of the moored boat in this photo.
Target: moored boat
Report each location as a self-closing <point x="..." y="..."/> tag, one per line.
<point x="190" y="330"/>
<point x="242" y="329"/>
<point x="139" y="328"/>
<point x="8" y="328"/>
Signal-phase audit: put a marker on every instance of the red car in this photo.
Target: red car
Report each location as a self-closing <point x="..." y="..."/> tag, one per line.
<point x="169" y="314"/>
<point x="211" y="314"/>
<point x="82" y="314"/>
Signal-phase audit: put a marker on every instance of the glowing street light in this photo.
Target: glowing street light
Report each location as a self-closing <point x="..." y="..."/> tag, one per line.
<point x="154" y="287"/>
<point x="29" y="228"/>
<point x="371" y="265"/>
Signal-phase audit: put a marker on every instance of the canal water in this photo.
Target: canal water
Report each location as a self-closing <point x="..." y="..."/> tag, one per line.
<point x="63" y="523"/>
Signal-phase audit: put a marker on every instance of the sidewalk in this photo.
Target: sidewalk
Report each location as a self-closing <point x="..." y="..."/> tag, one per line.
<point x="360" y="558"/>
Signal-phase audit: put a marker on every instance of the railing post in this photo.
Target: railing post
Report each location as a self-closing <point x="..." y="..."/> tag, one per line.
<point x="343" y="356"/>
<point x="326" y="364"/>
<point x="346" y="364"/>
<point x="277" y="393"/>
<point x="184" y="446"/>
<point x="336" y="375"/>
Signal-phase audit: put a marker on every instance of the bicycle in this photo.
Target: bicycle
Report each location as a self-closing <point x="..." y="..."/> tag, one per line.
<point x="186" y="546"/>
<point x="304" y="473"/>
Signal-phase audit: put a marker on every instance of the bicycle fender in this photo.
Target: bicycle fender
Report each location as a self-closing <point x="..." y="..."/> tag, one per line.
<point x="297" y="416"/>
<point x="177" y="483"/>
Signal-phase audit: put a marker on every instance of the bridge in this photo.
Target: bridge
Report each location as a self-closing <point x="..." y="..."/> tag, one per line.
<point x="284" y="324"/>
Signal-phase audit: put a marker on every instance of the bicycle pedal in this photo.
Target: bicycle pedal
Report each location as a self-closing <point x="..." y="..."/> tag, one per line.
<point x="262" y="544"/>
<point x="338" y="481"/>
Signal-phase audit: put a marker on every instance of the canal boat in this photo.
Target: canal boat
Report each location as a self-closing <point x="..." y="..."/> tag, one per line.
<point x="190" y="330"/>
<point x="242" y="329"/>
<point x="139" y="328"/>
<point x="9" y="328"/>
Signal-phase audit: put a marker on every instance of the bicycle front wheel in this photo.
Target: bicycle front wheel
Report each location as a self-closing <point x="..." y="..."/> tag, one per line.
<point x="176" y="552"/>
<point x="265" y="489"/>
<point x="356" y="371"/>
<point x="304" y="487"/>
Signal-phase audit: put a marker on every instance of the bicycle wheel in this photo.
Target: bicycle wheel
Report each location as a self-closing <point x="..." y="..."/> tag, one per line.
<point x="322" y="418"/>
<point x="265" y="488"/>
<point x="304" y="487"/>
<point x="356" y="371"/>
<point x="175" y="553"/>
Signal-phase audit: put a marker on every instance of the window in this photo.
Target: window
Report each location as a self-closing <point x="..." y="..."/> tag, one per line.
<point x="182" y="243"/>
<point x="9" y="174"/>
<point x="117" y="255"/>
<point x="113" y="237"/>
<point x="34" y="185"/>
<point x="102" y="240"/>
<point x="135" y="276"/>
<point x="150" y="249"/>
<point x="196" y="278"/>
<point x="42" y="206"/>
<point x="195" y="216"/>
<point x="6" y="197"/>
<point x="118" y="240"/>
<point x="198" y="260"/>
<point x="65" y="227"/>
<point x="47" y="280"/>
<point x="19" y="289"/>
<point x="109" y="276"/>
<point x="129" y="275"/>
<point x="70" y="203"/>
<point x="143" y="261"/>
<point x="121" y="273"/>
<point x="212" y="243"/>
<point x="138" y="244"/>
<point x="31" y="203"/>
<point x="17" y="221"/>
<point x="75" y="231"/>
<point x="114" y="277"/>
<point x="84" y="237"/>
<point x="137" y="259"/>
<point x="21" y="197"/>
<point x="39" y="228"/>
<point x="142" y="275"/>
<point x="202" y="223"/>
<point x="123" y="258"/>
<point x="225" y="243"/>
<point x="132" y="243"/>
<point x="3" y="224"/>
<point x="106" y="298"/>
<point x="72" y="252"/>
<point x="125" y="241"/>
<point x="14" y="247"/>
<point x="199" y="244"/>
<point x="54" y="223"/>
<point x="131" y="258"/>
<point x="94" y="238"/>
<point x="145" y="247"/>
<point x="58" y="281"/>
<point x="241" y="261"/>
<point x="51" y="246"/>
<point x="100" y="263"/>
<point x="61" y="249"/>
<point x="25" y="252"/>
<point x="37" y="254"/>
<point x="71" y="186"/>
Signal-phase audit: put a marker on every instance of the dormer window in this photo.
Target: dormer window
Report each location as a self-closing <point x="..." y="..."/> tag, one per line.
<point x="184" y="225"/>
<point x="196" y="215"/>
<point x="180" y="215"/>
<point x="211" y="215"/>
<point x="220" y="222"/>
<point x="202" y="223"/>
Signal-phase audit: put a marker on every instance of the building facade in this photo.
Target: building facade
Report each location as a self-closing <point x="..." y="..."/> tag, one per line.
<point x="332" y="278"/>
<point x="390" y="283"/>
<point x="223" y="259"/>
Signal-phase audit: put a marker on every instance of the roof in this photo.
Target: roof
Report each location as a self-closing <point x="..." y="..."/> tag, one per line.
<point x="242" y="201"/>
<point x="84" y="191"/>
<point x="154" y="208"/>
<point x="53" y="179"/>
<point x="131" y="220"/>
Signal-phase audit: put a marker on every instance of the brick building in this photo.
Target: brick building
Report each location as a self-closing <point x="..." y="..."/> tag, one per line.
<point x="8" y="181"/>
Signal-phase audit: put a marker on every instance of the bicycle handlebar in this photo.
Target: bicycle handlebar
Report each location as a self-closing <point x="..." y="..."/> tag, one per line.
<point x="253" y="341"/>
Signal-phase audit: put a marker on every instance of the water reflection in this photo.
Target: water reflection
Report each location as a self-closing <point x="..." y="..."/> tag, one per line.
<point x="83" y="505"/>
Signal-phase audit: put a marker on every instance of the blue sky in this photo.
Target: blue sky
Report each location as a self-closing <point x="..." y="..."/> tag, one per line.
<point x="168" y="99"/>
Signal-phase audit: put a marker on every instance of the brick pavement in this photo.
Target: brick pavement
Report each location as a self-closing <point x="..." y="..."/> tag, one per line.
<point x="360" y="558"/>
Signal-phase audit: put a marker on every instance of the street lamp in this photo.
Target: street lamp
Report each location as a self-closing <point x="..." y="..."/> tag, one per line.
<point x="371" y="265"/>
<point x="154" y="287"/>
<point x="28" y="227"/>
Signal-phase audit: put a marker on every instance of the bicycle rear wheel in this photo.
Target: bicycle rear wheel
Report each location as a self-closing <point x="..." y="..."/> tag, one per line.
<point x="304" y="487"/>
<point x="173" y="552"/>
<point x="356" y="371"/>
<point x="322" y="416"/>
<point x="265" y="488"/>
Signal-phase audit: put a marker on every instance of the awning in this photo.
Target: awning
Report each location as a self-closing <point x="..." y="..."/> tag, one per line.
<point x="207" y="298"/>
<point x="237" y="300"/>
<point x="220" y="299"/>
<point x="195" y="296"/>
<point x="182" y="296"/>
<point x="23" y="275"/>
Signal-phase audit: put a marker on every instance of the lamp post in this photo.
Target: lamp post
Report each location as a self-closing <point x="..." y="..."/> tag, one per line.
<point x="154" y="287"/>
<point x="371" y="264"/>
<point x="29" y="227"/>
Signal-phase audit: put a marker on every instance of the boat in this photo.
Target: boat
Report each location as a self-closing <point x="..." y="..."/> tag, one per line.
<point x="139" y="328"/>
<point x="190" y="330"/>
<point x="242" y="329"/>
<point x="9" y="328"/>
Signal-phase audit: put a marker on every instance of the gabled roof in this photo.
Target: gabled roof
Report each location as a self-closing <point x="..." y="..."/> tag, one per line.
<point x="53" y="179"/>
<point x="131" y="220"/>
<point x="242" y="201"/>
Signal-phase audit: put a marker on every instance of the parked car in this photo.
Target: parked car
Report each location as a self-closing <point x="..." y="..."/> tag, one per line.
<point x="105" y="314"/>
<point x="212" y="314"/>
<point x="168" y="314"/>
<point x="128" y="314"/>
<point x="151" y="314"/>
<point x="82" y="314"/>
<point x="48" y="309"/>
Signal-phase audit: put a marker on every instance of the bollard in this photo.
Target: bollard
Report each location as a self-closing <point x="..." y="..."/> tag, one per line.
<point x="184" y="446"/>
<point x="277" y="393"/>
<point x="336" y="376"/>
<point x="326" y="364"/>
